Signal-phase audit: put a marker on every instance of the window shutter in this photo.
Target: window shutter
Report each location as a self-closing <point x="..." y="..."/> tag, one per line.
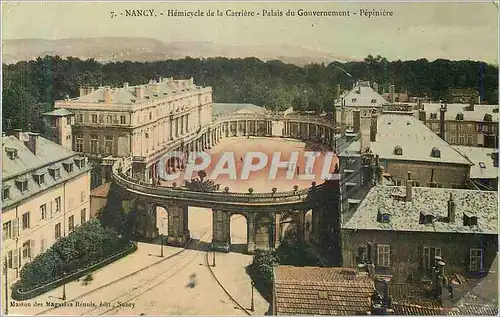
<point x="15" y="259"/>
<point x="42" y="244"/>
<point x="15" y="227"/>
<point x="390" y="255"/>
<point x="377" y="255"/>
<point x="32" y="250"/>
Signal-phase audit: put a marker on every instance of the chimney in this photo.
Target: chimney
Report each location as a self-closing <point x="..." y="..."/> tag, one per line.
<point x="364" y="131"/>
<point x="32" y="142"/>
<point x="452" y="209"/>
<point x="338" y="92"/>
<point x="381" y="175"/>
<point x="409" y="185"/>
<point x="392" y="93"/>
<point x="139" y="92"/>
<point x="471" y="104"/>
<point x="125" y="85"/>
<point x="373" y="127"/>
<point x="356" y="120"/>
<point x="375" y="87"/>
<point x="442" y="113"/>
<point x="17" y="133"/>
<point x="422" y="116"/>
<point x="83" y="91"/>
<point x="107" y="95"/>
<point x="439" y="276"/>
<point x="369" y="253"/>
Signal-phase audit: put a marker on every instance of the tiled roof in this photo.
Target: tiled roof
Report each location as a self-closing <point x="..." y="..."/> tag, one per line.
<point x="413" y="136"/>
<point x="483" y="161"/>
<point x="26" y="164"/>
<point x="322" y="291"/>
<point x="415" y="310"/>
<point x="454" y="108"/>
<point x="364" y="96"/>
<point x="227" y="108"/>
<point x="405" y="215"/>
<point x="413" y="295"/>
<point x="101" y="191"/>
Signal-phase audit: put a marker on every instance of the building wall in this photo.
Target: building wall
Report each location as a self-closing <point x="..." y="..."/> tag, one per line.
<point x="446" y="175"/>
<point x="96" y="204"/>
<point x="75" y="200"/>
<point x="406" y="250"/>
<point x="468" y="133"/>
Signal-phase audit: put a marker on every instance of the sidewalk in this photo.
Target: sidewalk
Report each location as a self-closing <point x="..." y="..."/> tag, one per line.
<point x="145" y="255"/>
<point x="230" y="271"/>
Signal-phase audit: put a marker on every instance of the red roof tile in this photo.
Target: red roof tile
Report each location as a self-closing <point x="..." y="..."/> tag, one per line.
<point x="101" y="191"/>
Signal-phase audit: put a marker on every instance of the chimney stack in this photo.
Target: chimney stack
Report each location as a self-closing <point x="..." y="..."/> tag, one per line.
<point x="392" y="93"/>
<point x="409" y="185"/>
<point x="83" y="91"/>
<point x="32" y="142"/>
<point x="442" y="113"/>
<point x="17" y="133"/>
<point x="373" y="127"/>
<point x="422" y="116"/>
<point x="107" y="95"/>
<point x="375" y="87"/>
<point x="139" y="92"/>
<point x="471" y="104"/>
<point x="452" y="209"/>
<point x="338" y="92"/>
<point x="125" y="85"/>
<point x="364" y="131"/>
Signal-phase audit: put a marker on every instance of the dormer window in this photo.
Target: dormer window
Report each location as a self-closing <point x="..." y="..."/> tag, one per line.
<point x="11" y="153"/>
<point x="426" y="218"/>
<point x="354" y="99"/>
<point x="383" y="216"/>
<point x="460" y="116"/>
<point x="39" y="177"/>
<point x="435" y="152"/>
<point x="54" y="172"/>
<point x="482" y="165"/>
<point x="80" y="162"/>
<point x="22" y="184"/>
<point x="488" y="117"/>
<point x="398" y="150"/>
<point x="5" y="192"/>
<point x="434" y="116"/>
<point x="374" y="100"/>
<point x="470" y="220"/>
<point x="68" y="166"/>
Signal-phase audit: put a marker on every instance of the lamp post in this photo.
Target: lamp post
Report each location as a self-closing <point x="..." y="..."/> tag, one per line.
<point x="6" y="268"/>
<point x="213" y="258"/>
<point x="64" y="288"/>
<point x="252" y="308"/>
<point x="161" y="237"/>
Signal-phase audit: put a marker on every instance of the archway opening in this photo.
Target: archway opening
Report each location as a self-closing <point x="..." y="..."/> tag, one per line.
<point x="239" y="233"/>
<point x="308" y="227"/>
<point x="200" y="227"/>
<point x="162" y="221"/>
<point x="289" y="230"/>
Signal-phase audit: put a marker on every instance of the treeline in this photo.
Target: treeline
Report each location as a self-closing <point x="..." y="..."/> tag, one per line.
<point x="30" y="88"/>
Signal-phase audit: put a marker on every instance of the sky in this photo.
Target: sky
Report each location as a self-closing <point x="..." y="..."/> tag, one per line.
<point x="416" y="30"/>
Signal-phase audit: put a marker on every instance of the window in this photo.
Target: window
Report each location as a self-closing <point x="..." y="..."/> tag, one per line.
<point x="461" y="127"/>
<point x="93" y="143"/>
<point x="80" y="162"/>
<point x="7" y="230"/>
<point x="68" y="167"/>
<point x="57" y="229"/>
<point x="150" y="116"/>
<point x="40" y="179"/>
<point x="71" y="223"/>
<point x="398" y="150"/>
<point x="374" y="100"/>
<point x="470" y="141"/>
<point x="11" y="153"/>
<point x="58" y="204"/>
<point x="108" y="145"/>
<point x="22" y="184"/>
<point x="354" y="100"/>
<point x="362" y="254"/>
<point x="383" y="255"/>
<point x="460" y="116"/>
<point x="79" y="143"/>
<point x="435" y="152"/>
<point x="453" y="139"/>
<point x="435" y="126"/>
<point x="461" y="140"/>
<point x="68" y="120"/>
<point x="451" y="126"/>
<point x="5" y="193"/>
<point x="109" y="119"/>
<point x="385" y="218"/>
<point x="83" y="216"/>
<point x="43" y="212"/>
<point x="80" y="117"/>
<point x="42" y="245"/>
<point x="122" y="120"/>
<point x="487" y="117"/>
<point x="26" y="249"/>
<point x="82" y="196"/>
<point x="482" y="165"/>
<point x="9" y="259"/>
<point x="476" y="260"/>
<point x="94" y="118"/>
<point x="26" y="220"/>
<point x="430" y="254"/>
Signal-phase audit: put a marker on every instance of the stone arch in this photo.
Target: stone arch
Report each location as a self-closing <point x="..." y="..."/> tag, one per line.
<point x="162" y="220"/>
<point x="308" y="226"/>
<point x="239" y="232"/>
<point x="290" y="226"/>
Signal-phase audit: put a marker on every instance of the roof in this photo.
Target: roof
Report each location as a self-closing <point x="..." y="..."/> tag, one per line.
<point x="454" y="108"/>
<point x="483" y="161"/>
<point x="128" y="95"/>
<point x="362" y="95"/>
<point x="413" y="299"/>
<point x="59" y="113"/>
<point x="101" y="191"/>
<point x="27" y="164"/>
<point x="322" y="291"/>
<point x="413" y="136"/>
<point x="227" y="108"/>
<point x="405" y="216"/>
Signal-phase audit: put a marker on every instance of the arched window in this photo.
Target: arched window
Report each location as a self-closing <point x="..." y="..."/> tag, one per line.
<point x="460" y="116"/>
<point x="362" y="254"/>
<point x="435" y="152"/>
<point x="398" y="150"/>
<point x="488" y="117"/>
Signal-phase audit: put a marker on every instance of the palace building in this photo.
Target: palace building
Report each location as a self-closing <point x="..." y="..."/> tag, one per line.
<point x="45" y="194"/>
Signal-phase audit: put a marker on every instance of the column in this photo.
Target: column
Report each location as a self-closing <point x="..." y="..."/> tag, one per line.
<point x="176" y="127"/>
<point x="237" y="128"/>
<point x="301" y="226"/>
<point x="181" y="122"/>
<point x="246" y="128"/>
<point x="251" y="233"/>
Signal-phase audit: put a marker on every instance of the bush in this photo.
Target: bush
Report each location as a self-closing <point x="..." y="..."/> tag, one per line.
<point x="85" y="245"/>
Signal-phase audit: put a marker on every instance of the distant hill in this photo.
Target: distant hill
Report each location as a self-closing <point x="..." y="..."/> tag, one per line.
<point x="112" y="49"/>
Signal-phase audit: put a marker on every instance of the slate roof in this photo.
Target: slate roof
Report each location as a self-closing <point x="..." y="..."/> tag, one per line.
<point x="227" y="108"/>
<point x="454" y="108"/>
<point x="127" y="95"/>
<point x="483" y="161"/>
<point x="61" y="112"/>
<point x="322" y="291"/>
<point x="405" y="215"/>
<point x="413" y="136"/>
<point x="364" y="95"/>
<point x="26" y="164"/>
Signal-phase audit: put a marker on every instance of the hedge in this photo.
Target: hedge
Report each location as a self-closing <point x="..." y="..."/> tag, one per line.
<point x="20" y="295"/>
